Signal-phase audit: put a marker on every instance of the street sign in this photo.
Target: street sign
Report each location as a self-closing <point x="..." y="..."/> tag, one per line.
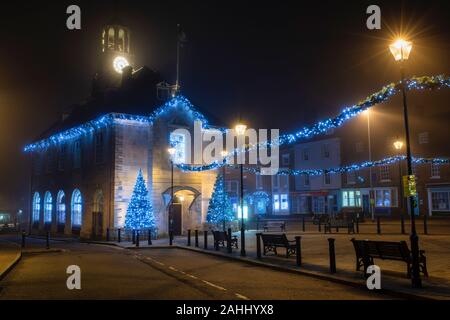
<point x="409" y="186"/>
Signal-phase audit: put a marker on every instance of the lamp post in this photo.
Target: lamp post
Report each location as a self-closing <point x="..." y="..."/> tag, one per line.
<point x="401" y="49"/>
<point x="224" y="154"/>
<point x="171" y="152"/>
<point x="398" y="145"/>
<point x="240" y="131"/>
<point x="369" y="145"/>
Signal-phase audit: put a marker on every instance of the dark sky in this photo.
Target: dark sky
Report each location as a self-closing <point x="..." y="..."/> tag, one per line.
<point x="278" y="64"/>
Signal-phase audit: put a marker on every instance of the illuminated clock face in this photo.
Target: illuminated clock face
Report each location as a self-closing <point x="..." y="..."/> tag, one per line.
<point x="119" y="63"/>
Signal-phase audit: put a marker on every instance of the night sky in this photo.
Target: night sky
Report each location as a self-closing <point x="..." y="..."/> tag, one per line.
<point x="276" y="64"/>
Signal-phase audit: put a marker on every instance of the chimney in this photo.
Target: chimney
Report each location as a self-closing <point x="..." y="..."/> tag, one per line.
<point x="126" y="75"/>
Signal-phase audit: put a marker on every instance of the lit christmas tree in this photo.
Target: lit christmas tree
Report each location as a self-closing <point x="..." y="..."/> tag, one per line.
<point x="219" y="209"/>
<point x="140" y="211"/>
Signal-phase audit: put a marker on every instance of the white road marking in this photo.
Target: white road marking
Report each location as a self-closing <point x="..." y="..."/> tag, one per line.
<point x="214" y="285"/>
<point x="240" y="296"/>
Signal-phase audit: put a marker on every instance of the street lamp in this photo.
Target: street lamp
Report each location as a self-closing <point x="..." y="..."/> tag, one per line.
<point x="369" y="145"/>
<point x="240" y="131"/>
<point x="171" y="152"/>
<point x="401" y="49"/>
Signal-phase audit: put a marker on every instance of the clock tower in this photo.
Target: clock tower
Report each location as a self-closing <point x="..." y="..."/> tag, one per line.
<point x="115" y="53"/>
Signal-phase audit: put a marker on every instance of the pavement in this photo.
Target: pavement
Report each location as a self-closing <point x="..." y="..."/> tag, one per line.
<point x="110" y="272"/>
<point x="10" y="255"/>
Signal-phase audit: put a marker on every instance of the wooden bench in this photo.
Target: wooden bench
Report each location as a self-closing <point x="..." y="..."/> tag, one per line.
<point x="339" y="223"/>
<point x="275" y="224"/>
<point x="221" y="237"/>
<point x="273" y="241"/>
<point x="367" y="250"/>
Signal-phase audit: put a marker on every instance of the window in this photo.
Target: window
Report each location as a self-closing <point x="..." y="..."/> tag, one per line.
<point x="99" y="148"/>
<point x="306" y="179"/>
<point x="284" y="202"/>
<point x="261" y="206"/>
<point x="178" y="141"/>
<point x="440" y="201"/>
<point x="435" y="170"/>
<point x="423" y="138"/>
<point x="61" y="207"/>
<point x="232" y="187"/>
<point x="121" y="40"/>
<point x="36" y="207"/>
<point x="359" y="147"/>
<point x="384" y="173"/>
<point x="276" y="202"/>
<point x="351" y="198"/>
<point x="111" y="38"/>
<point x="319" y="204"/>
<point x="285" y="159"/>
<point x="351" y="177"/>
<point x="61" y="157"/>
<point x="77" y="154"/>
<point x="386" y="198"/>
<point x="48" y="207"/>
<point x="326" y="151"/>
<point x="305" y="154"/>
<point x="258" y="180"/>
<point x="77" y="208"/>
<point x="327" y="178"/>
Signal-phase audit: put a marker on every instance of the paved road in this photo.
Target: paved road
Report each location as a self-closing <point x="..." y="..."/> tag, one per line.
<point x="114" y="273"/>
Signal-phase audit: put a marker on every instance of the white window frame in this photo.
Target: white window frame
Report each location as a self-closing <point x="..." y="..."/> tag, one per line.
<point x="385" y="173"/>
<point x="435" y="171"/>
<point x="48" y="207"/>
<point x="433" y="198"/>
<point x="351" y="199"/>
<point x="393" y="197"/>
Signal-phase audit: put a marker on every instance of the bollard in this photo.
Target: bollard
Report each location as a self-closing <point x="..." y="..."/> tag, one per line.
<point x="137" y="238"/>
<point x="298" y="250"/>
<point x="320" y="227"/>
<point x="196" y="238"/>
<point x="107" y="234"/>
<point x="205" y="241"/>
<point x="357" y="225"/>
<point x="149" y="237"/>
<point x="229" y="240"/>
<point x="118" y="235"/>
<point x="378" y="225"/>
<point x="189" y="238"/>
<point x="402" y="221"/>
<point x="48" y="240"/>
<point x="23" y="239"/>
<point x="258" y="245"/>
<point x="425" y="224"/>
<point x="170" y="237"/>
<point x="133" y="236"/>
<point x="332" y="255"/>
<point x="303" y="224"/>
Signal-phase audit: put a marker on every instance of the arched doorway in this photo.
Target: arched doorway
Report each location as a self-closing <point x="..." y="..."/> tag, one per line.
<point x="97" y="215"/>
<point x="179" y="208"/>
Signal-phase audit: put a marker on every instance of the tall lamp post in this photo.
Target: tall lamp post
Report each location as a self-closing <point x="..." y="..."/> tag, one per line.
<point x="240" y="131"/>
<point x="369" y="145"/>
<point x="401" y="49"/>
<point x="224" y="154"/>
<point x="171" y="152"/>
<point x="398" y="145"/>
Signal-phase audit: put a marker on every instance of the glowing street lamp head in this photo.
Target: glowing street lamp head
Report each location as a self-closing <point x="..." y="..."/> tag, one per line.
<point x="398" y="145"/>
<point x="240" y="129"/>
<point x="401" y="49"/>
<point x="171" y="151"/>
<point x="119" y="63"/>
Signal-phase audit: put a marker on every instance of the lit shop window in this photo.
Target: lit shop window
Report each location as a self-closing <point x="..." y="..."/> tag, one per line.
<point x="77" y="208"/>
<point x="36" y="206"/>
<point x="351" y="198"/>
<point x="48" y="206"/>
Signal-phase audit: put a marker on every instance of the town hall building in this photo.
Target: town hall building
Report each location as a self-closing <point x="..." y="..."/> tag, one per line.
<point x="85" y="166"/>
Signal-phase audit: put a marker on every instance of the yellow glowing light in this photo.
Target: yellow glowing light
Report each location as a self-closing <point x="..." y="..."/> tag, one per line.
<point x="240" y="129"/>
<point x="224" y="153"/>
<point x="181" y="198"/>
<point x="398" y="144"/>
<point x="119" y="63"/>
<point x="401" y="49"/>
<point x="171" y="151"/>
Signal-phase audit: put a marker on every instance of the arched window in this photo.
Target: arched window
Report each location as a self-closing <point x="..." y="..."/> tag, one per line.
<point x="48" y="207"/>
<point x="111" y="38"/>
<point x="103" y="40"/>
<point x="36" y="206"/>
<point x="98" y="201"/>
<point x="61" y="207"/>
<point x="121" y="40"/>
<point x="77" y="208"/>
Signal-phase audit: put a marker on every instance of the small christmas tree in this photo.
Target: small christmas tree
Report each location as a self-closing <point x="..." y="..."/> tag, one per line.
<point x="140" y="211"/>
<point x="219" y="209"/>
